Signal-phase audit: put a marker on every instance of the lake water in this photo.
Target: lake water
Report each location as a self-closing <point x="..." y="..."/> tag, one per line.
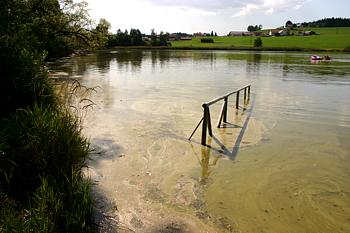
<point x="280" y="164"/>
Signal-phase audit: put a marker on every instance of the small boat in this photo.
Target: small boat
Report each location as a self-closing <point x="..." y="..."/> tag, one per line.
<point x="316" y="58"/>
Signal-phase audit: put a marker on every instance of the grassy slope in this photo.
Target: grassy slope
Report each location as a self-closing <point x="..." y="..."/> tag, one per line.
<point x="329" y="38"/>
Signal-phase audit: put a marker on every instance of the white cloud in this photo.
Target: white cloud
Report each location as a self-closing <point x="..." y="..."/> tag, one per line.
<point x="298" y="6"/>
<point x="237" y="8"/>
<point x="269" y="6"/>
<point x="246" y="10"/>
<point x="202" y="4"/>
<point x="270" y="11"/>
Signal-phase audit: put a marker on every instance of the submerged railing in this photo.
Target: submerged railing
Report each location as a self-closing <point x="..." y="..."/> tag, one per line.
<point x="206" y="120"/>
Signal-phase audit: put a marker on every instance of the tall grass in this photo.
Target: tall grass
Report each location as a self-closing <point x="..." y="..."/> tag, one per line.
<point x="41" y="141"/>
<point x="42" y="153"/>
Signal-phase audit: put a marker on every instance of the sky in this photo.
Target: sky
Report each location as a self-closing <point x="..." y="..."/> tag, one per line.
<point x="221" y="16"/>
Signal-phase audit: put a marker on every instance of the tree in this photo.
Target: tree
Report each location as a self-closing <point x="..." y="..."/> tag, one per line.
<point x="258" y="42"/>
<point x="60" y="26"/>
<point x="212" y="33"/>
<point x="161" y="40"/>
<point x="30" y="32"/>
<point x="329" y="22"/>
<point x="252" y="28"/>
<point x="215" y="34"/>
<point x="101" y="32"/>
<point x="136" y="37"/>
<point x="289" y="24"/>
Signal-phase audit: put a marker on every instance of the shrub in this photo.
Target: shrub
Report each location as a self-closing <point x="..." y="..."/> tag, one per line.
<point x="40" y="142"/>
<point x="23" y="80"/>
<point x="207" y="40"/>
<point x="347" y="49"/>
<point x="42" y="154"/>
<point x="258" y="42"/>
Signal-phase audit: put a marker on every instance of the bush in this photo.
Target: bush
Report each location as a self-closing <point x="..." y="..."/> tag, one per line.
<point x="42" y="154"/>
<point x="40" y="142"/>
<point x="23" y="80"/>
<point x="258" y="42"/>
<point x="347" y="49"/>
<point x="207" y="40"/>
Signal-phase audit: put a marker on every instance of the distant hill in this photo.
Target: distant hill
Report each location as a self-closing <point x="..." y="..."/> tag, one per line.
<point x="328" y="22"/>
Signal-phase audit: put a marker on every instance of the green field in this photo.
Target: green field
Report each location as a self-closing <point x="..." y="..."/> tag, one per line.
<point x="328" y="39"/>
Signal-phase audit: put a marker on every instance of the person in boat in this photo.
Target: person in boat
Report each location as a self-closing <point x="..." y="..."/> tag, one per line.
<point x="316" y="58"/>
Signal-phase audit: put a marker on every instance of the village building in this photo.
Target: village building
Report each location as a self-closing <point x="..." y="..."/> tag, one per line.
<point x="279" y="32"/>
<point x="240" y="33"/>
<point x="179" y="36"/>
<point x="201" y="34"/>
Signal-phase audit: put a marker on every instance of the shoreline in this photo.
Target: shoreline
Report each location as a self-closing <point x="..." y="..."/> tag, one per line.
<point x="238" y="48"/>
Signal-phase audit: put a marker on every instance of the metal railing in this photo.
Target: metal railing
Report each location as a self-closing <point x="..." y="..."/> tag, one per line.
<point x="206" y="120"/>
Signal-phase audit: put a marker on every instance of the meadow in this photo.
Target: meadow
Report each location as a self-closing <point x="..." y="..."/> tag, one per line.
<point x="326" y="39"/>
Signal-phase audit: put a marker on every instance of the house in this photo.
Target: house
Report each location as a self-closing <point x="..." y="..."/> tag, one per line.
<point x="179" y="36"/>
<point x="240" y="33"/>
<point x="201" y="34"/>
<point x="284" y="32"/>
<point x="173" y="37"/>
<point x="279" y="32"/>
<point x="274" y="32"/>
<point x="198" y="34"/>
<point x="259" y="33"/>
<point x="186" y="38"/>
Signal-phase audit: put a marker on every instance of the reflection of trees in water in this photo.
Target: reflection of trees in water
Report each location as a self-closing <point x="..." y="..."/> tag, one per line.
<point x="129" y="59"/>
<point x="103" y="61"/>
<point x="210" y="56"/>
<point x="126" y="59"/>
<point x="161" y="56"/>
<point x="315" y="72"/>
<point x="253" y="62"/>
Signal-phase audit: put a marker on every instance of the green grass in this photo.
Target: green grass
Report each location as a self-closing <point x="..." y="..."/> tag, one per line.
<point x="41" y="185"/>
<point x="329" y="39"/>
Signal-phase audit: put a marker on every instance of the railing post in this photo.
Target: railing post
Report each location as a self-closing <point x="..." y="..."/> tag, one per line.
<point x="209" y="122"/>
<point x="225" y="109"/>
<point x="223" y="112"/>
<point x="237" y="100"/>
<point x="206" y="123"/>
<point x="248" y="92"/>
<point x="245" y="95"/>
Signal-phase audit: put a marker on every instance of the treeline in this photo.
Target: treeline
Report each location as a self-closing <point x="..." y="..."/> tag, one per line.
<point x="328" y="22"/>
<point x="42" y="150"/>
<point x="136" y="38"/>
